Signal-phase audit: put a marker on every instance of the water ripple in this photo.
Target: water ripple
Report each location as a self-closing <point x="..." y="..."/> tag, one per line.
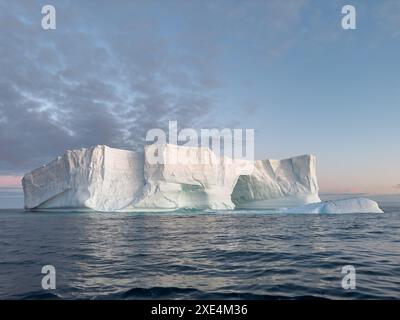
<point x="192" y="255"/>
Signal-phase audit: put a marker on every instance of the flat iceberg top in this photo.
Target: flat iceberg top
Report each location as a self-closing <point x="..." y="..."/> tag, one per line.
<point x="353" y="205"/>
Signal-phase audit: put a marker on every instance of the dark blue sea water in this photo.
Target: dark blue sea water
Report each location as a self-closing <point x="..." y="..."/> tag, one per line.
<point x="194" y="255"/>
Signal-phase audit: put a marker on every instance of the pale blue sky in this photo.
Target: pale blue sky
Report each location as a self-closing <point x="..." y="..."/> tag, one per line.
<point x="285" y="68"/>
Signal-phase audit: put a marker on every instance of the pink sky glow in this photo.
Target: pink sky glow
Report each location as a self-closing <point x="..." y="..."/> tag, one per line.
<point x="10" y="181"/>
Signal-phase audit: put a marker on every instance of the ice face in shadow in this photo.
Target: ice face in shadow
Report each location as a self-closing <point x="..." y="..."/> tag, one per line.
<point x="107" y="179"/>
<point x="353" y="205"/>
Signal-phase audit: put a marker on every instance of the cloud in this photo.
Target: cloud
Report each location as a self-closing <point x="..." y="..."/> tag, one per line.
<point x="397" y="186"/>
<point x="90" y="82"/>
<point x="388" y="17"/>
<point x="110" y="72"/>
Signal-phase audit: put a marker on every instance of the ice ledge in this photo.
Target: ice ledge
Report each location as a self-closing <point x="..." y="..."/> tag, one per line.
<point x="352" y="205"/>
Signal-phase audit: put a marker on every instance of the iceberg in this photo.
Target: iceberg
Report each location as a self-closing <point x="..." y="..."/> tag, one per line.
<point x="110" y="180"/>
<point x="352" y="205"/>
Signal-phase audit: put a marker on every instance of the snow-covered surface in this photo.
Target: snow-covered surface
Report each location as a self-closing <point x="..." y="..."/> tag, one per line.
<point x="353" y="205"/>
<point x="107" y="179"/>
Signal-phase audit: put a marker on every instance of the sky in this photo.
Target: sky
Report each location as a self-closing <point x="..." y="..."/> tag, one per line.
<point x="287" y="69"/>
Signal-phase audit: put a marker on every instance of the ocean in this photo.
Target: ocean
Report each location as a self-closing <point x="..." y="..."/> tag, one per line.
<point x="199" y="255"/>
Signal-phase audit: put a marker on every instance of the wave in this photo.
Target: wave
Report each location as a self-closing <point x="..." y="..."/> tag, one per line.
<point x="40" y="295"/>
<point x="192" y="293"/>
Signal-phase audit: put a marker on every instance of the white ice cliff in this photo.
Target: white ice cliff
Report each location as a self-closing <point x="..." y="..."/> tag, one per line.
<point x="107" y="179"/>
<point x="196" y="179"/>
<point x="98" y="178"/>
<point x="278" y="183"/>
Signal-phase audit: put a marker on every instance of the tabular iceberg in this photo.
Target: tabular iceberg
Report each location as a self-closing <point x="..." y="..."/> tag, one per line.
<point x="107" y="179"/>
